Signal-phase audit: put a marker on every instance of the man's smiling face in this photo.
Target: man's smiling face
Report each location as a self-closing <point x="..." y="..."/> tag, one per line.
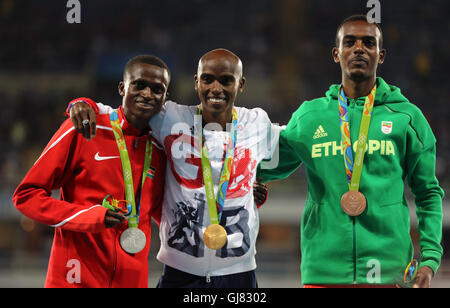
<point x="144" y="91"/>
<point x="218" y="81"/>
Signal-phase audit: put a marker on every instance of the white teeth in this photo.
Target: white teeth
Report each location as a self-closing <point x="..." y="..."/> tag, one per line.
<point x="144" y="104"/>
<point x="216" y="100"/>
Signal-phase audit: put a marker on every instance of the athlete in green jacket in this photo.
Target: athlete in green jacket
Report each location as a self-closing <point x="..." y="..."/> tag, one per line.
<point x="375" y="246"/>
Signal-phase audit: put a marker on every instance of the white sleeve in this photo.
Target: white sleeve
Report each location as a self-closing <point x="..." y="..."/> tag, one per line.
<point x="104" y="109"/>
<point x="273" y="136"/>
<point x="272" y="157"/>
<point x="269" y="134"/>
<point x="157" y="122"/>
<point x="171" y="120"/>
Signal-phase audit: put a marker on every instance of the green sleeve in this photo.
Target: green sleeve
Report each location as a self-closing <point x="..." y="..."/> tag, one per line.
<point x="420" y="164"/>
<point x="286" y="157"/>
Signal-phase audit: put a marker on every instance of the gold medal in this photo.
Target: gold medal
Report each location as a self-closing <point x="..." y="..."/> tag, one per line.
<point x="353" y="203"/>
<point x="215" y="237"/>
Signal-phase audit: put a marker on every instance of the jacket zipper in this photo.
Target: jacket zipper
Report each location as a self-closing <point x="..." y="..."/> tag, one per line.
<point x="115" y="259"/>
<point x="354" y="250"/>
<point x="351" y="103"/>
<point x="208" y="274"/>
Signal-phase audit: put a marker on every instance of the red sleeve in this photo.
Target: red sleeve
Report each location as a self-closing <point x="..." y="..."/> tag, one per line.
<point x="85" y="100"/>
<point x="50" y="172"/>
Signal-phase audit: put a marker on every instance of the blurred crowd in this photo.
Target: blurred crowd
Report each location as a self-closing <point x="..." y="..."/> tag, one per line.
<point x="285" y="46"/>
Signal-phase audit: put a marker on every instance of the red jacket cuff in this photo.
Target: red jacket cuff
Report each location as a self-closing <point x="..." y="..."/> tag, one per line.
<point x="85" y="100"/>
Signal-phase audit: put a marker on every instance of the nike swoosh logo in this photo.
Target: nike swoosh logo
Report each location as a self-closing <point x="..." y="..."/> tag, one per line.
<point x="100" y="158"/>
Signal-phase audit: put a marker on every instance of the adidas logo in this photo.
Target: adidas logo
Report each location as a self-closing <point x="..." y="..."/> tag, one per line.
<point x="320" y="133"/>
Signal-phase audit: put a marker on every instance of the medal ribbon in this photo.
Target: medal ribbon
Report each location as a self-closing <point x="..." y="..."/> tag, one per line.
<point x="215" y="206"/>
<point x="133" y="220"/>
<point x="353" y="167"/>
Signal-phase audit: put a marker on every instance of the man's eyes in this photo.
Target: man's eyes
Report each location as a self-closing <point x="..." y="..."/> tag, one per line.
<point x="157" y="90"/>
<point x="224" y="80"/>
<point x="349" y="42"/>
<point x="367" y="42"/>
<point x="207" y="79"/>
<point x="140" y="85"/>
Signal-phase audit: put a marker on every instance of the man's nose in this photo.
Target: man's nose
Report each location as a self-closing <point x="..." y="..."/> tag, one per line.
<point x="359" y="47"/>
<point x="147" y="92"/>
<point x="216" y="87"/>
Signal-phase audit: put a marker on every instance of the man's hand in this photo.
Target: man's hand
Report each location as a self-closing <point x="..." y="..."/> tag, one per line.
<point x="83" y="118"/>
<point x="113" y="219"/>
<point x="260" y="192"/>
<point x="423" y="277"/>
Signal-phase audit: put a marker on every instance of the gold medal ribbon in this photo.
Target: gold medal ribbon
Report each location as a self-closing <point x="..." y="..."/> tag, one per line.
<point x="215" y="206"/>
<point x="215" y="236"/>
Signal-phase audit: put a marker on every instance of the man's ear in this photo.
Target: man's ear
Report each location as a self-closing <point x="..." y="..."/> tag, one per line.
<point x="195" y="82"/>
<point x="382" y="56"/>
<point x="241" y="84"/>
<point x="335" y="54"/>
<point x="121" y="88"/>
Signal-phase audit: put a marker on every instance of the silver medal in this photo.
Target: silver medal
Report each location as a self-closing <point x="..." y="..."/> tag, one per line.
<point x="133" y="240"/>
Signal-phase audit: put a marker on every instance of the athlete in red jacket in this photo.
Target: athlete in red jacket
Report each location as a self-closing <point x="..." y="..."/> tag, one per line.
<point x="86" y="250"/>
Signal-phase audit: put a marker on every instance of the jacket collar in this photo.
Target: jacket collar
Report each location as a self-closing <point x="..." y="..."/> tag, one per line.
<point x="385" y="94"/>
<point x="127" y="127"/>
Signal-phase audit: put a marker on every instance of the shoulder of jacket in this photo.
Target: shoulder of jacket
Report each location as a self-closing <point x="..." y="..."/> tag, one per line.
<point x="65" y="129"/>
<point x="315" y="105"/>
<point x="409" y="109"/>
<point x="418" y="124"/>
<point x="103" y="119"/>
<point x="252" y="114"/>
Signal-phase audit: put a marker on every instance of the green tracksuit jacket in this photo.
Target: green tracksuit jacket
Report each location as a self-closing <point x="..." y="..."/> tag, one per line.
<point x="374" y="247"/>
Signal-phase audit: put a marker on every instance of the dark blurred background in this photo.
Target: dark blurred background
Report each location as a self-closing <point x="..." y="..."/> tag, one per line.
<point x="285" y="46"/>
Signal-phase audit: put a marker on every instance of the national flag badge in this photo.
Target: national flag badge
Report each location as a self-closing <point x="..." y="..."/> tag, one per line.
<point x="386" y="127"/>
<point x="151" y="172"/>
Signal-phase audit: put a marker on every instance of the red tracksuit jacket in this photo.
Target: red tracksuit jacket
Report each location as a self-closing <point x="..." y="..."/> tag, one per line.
<point x="84" y="253"/>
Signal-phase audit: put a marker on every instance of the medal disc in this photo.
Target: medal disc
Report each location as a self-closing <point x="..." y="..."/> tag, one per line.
<point x="353" y="203"/>
<point x="215" y="237"/>
<point x="133" y="240"/>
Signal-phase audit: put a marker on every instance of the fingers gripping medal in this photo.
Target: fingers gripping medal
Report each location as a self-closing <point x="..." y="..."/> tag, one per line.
<point x="132" y="240"/>
<point x="353" y="202"/>
<point x="410" y="273"/>
<point x="215" y="235"/>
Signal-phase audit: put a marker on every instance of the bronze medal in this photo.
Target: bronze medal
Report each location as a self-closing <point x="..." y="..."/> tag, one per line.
<point x="353" y="203"/>
<point x="215" y="237"/>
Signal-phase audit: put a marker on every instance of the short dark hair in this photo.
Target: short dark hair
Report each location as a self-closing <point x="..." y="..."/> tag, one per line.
<point x="358" y="17"/>
<point x="148" y="59"/>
